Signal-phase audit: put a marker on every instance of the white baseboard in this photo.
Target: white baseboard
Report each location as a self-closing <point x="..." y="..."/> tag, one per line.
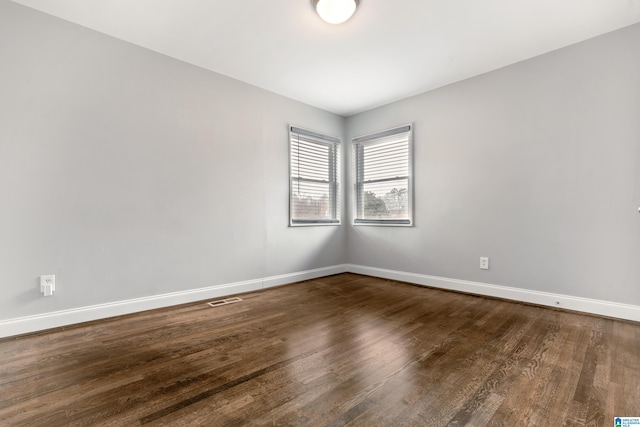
<point x="303" y="275"/>
<point x="586" y="305"/>
<point x="28" y="324"/>
<point x="56" y="319"/>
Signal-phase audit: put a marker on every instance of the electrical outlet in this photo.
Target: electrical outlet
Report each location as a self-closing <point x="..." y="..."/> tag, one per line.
<point x="484" y="263"/>
<point x="48" y="284"/>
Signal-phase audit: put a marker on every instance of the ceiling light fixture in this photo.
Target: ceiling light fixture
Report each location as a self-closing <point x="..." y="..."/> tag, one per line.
<point x="335" y="11"/>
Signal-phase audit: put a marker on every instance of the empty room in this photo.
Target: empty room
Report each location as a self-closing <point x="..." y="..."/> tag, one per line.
<point x="320" y="212"/>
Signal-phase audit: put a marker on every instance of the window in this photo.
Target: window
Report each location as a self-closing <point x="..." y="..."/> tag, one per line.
<point x="315" y="162"/>
<point x="383" y="193"/>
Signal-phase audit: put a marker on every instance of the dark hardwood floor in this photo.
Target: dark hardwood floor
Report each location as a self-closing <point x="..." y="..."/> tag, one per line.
<point x="342" y="350"/>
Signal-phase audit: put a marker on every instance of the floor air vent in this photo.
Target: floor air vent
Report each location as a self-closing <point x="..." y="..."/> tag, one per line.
<point x="226" y="301"/>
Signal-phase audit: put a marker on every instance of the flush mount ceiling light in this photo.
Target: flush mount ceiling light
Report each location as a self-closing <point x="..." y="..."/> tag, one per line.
<point x="335" y="11"/>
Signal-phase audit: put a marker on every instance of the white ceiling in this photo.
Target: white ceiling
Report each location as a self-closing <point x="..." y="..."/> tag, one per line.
<point x="389" y="50"/>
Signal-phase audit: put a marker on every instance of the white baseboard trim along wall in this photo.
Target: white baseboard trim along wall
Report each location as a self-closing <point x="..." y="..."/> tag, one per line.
<point x="24" y="325"/>
<point x="56" y="319"/>
<point x="567" y="302"/>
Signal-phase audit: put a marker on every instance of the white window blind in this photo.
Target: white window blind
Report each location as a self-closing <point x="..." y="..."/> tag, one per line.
<point x="383" y="193"/>
<point x="315" y="162"/>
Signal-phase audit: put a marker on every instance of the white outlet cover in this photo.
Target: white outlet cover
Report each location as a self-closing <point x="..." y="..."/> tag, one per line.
<point x="484" y="263"/>
<point x="49" y="279"/>
<point x="48" y="291"/>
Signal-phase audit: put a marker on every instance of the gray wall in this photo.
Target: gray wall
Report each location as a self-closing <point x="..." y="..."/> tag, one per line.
<point x="536" y="165"/>
<point x="129" y="174"/>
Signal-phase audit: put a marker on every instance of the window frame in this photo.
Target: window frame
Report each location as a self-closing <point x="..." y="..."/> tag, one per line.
<point x="333" y="169"/>
<point x="374" y="138"/>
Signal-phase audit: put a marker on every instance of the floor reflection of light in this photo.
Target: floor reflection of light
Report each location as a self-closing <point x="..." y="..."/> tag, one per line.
<point x="354" y="357"/>
<point x="385" y="359"/>
<point x="305" y="339"/>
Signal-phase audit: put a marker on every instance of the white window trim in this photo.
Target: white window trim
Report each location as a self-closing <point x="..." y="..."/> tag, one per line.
<point x="371" y="138"/>
<point x="334" y="171"/>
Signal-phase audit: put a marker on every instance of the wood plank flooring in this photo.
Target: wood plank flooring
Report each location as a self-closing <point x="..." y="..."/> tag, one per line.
<point x="341" y="350"/>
